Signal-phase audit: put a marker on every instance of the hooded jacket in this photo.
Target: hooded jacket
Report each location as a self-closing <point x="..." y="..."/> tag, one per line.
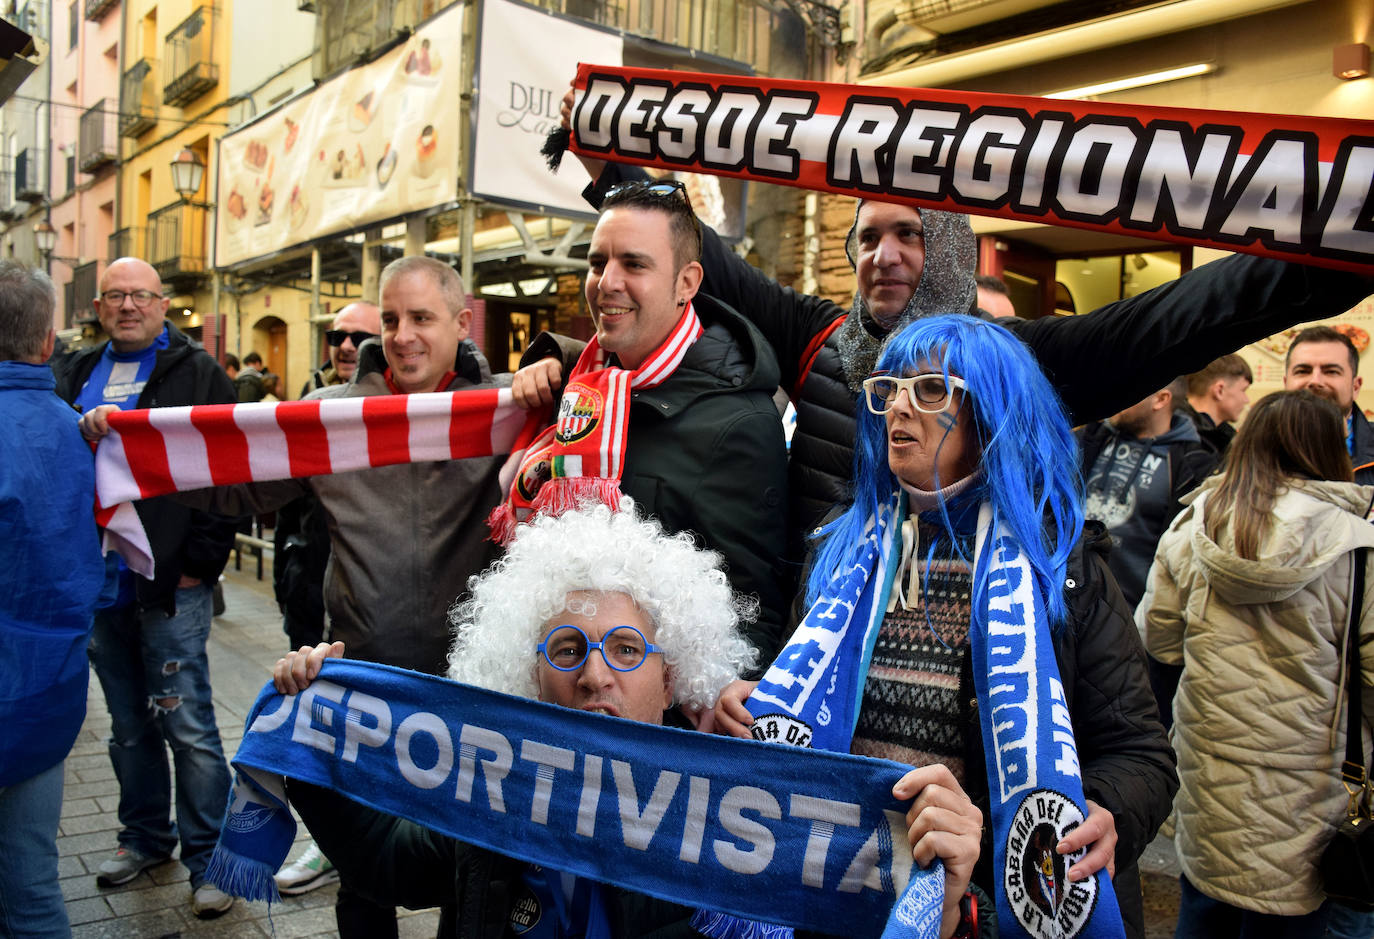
<point x="1259" y="723"/>
<point x="404" y="539"/>
<point x="51" y="577"/>
<point x="705" y="454"/>
<point x="185" y="541"/>
<point x="1134" y="486"/>
<point x="1100" y="363"/>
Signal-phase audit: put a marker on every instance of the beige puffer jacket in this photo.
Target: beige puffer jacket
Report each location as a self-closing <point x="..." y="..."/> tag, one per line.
<point x="1260" y="710"/>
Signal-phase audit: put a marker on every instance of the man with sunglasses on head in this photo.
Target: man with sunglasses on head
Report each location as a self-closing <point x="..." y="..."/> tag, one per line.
<point x="148" y="643"/>
<point x="911" y="263"/>
<point x="352" y="326"/>
<point x="703" y="449"/>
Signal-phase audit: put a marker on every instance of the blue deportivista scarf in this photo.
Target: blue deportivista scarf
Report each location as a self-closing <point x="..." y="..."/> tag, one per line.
<point x="801" y="838"/>
<point x="811" y="696"/>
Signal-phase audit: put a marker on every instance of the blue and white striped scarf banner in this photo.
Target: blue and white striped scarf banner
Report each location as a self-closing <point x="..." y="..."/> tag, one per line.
<point x="802" y="838"/>
<point x="810" y="697"/>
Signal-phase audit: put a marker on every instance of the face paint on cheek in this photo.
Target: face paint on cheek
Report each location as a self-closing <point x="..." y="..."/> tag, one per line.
<point x="946" y="421"/>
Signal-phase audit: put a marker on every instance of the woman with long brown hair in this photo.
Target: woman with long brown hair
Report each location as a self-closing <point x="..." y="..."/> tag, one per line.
<point x="1250" y="593"/>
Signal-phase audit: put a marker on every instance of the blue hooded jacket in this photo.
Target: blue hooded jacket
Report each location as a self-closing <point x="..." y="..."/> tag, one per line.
<point x="51" y="572"/>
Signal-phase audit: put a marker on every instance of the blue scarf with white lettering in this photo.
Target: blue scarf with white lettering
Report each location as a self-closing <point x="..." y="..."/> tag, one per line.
<point x="802" y="838"/>
<point x="812" y="693"/>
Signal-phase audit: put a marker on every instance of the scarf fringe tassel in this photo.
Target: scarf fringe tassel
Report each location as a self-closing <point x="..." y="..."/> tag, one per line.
<point x="724" y="926"/>
<point x="555" y="497"/>
<point x="241" y="876"/>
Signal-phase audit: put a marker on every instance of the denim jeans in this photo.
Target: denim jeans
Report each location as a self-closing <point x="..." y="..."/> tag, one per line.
<point x="30" y="900"/>
<point x="156" y="679"/>
<point x="1346" y="923"/>
<point x="1201" y="917"/>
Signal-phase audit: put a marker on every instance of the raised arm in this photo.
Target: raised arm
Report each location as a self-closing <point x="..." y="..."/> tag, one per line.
<point x="1107" y="360"/>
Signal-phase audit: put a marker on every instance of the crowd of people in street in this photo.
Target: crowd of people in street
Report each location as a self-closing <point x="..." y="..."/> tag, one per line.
<point x="977" y="516"/>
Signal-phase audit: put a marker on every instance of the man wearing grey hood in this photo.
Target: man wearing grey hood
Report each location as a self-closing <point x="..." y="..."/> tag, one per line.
<point x="911" y="263"/>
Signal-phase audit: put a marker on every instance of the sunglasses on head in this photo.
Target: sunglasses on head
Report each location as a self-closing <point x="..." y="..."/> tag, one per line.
<point x="666" y="189"/>
<point x="336" y="337"/>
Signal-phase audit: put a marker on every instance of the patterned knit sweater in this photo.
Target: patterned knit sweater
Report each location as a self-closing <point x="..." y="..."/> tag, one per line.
<point x="910" y="711"/>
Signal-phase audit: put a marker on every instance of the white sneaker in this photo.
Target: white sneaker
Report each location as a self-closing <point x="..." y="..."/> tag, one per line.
<point x="312" y="869"/>
<point x="208" y="901"/>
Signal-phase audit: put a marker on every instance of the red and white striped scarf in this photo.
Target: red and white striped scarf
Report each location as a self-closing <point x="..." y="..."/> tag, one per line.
<point x="582" y="456"/>
<point x="153" y="452"/>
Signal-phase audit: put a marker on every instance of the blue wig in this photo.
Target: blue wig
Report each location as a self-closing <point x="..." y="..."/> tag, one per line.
<point x="1029" y="461"/>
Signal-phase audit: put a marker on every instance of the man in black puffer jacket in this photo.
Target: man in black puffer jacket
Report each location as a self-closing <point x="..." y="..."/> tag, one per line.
<point x="911" y="263"/>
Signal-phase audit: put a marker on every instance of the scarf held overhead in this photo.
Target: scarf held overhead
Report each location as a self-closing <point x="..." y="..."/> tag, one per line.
<point x="811" y="695"/>
<point x="582" y="456"/>
<point x="802" y="838"/>
<point x="154" y="452"/>
<point x="1292" y="187"/>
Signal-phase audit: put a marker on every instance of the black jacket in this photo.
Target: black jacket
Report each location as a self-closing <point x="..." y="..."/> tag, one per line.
<point x="399" y="863"/>
<point x="1127" y="763"/>
<point x="1100" y="363"/>
<point x="1363" y="457"/>
<point x="706" y="455"/>
<point x="184" y="540"/>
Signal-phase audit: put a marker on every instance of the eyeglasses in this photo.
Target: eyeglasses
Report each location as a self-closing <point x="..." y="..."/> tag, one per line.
<point x="623" y="648"/>
<point x="668" y="189"/>
<point x="336" y="337"/>
<point x="141" y="298"/>
<point x="929" y="392"/>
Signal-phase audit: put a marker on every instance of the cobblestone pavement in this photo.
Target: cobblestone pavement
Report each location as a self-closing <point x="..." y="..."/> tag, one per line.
<point x="244" y="643"/>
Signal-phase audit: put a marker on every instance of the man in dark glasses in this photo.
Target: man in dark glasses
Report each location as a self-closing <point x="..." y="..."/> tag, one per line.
<point x="352" y="326"/>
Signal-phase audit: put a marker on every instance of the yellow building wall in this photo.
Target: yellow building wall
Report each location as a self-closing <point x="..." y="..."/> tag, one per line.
<point x="145" y="177"/>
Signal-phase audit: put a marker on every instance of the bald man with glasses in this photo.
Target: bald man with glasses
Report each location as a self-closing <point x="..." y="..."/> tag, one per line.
<point x="148" y="643"/>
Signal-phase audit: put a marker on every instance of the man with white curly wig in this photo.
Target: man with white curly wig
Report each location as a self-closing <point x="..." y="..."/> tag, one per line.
<point x="656" y="624"/>
<point x="597" y="570"/>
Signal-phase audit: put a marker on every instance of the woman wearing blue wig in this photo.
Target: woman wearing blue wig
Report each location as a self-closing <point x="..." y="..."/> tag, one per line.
<point x="959" y="612"/>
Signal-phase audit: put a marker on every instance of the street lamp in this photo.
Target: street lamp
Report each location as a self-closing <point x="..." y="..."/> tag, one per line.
<point x="45" y="237"/>
<point x="188" y="169"/>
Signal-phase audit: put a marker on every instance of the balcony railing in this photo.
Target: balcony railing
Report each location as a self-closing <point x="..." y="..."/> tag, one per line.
<point x="32" y="18"/>
<point x="99" y="141"/>
<point x="28" y="175"/>
<point x="81" y="293"/>
<point x="189" y="68"/>
<point x="176" y="235"/>
<point x="96" y="9"/>
<point x="129" y="242"/>
<point x="138" y="99"/>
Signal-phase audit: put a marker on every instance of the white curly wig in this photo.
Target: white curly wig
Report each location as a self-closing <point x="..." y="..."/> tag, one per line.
<point x="678" y="586"/>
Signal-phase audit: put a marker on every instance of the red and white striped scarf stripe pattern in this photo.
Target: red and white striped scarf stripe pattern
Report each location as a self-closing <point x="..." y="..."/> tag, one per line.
<point x="582" y="456"/>
<point x="154" y="452"/>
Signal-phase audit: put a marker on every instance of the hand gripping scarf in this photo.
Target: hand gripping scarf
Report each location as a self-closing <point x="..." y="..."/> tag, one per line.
<point x="805" y="838"/>
<point x="582" y="456"/>
<point x="153" y="452"/>
<point x="811" y="695"/>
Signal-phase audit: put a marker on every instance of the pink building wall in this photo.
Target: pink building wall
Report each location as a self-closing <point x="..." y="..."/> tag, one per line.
<point x="82" y="76"/>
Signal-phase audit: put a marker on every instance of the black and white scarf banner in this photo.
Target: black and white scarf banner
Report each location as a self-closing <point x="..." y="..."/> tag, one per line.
<point x="1287" y="186"/>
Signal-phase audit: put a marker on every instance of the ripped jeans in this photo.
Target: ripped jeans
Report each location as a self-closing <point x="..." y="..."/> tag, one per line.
<point x="156" y="680"/>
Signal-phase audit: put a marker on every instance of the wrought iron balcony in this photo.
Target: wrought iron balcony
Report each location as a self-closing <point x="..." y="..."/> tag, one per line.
<point x="81" y="293"/>
<point x="96" y="9"/>
<point x="28" y="175"/>
<point x="176" y="235"/>
<point x="98" y="141"/>
<point x="189" y="68"/>
<point x="129" y="242"/>
<point x="138" y="99"/>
